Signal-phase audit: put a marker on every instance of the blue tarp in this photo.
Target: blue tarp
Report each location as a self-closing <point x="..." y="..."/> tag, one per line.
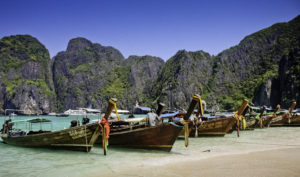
<point x="213" y="117"/>
<point x="296" y="111"/>
<point x="144" y="108"/>
<point x="169" y="114"/>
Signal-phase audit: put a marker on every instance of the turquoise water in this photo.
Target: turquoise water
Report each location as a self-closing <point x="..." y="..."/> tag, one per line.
<point x="18" y="161"/>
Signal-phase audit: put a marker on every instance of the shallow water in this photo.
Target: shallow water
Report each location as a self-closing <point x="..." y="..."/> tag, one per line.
<point x="18" y="161"/>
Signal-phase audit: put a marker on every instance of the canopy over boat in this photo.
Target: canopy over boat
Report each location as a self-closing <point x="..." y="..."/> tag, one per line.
<point x="39" y="120"/>
<point x="254" y="107"/>
<point x="32" y="120"/>
<point x="141" y="110"/>
<point x="167" y="115"/>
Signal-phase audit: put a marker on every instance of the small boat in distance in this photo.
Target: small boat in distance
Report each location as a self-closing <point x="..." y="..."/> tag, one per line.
<point x="52" y="114"/>
<point x="82" y="111"/>
<point x="73" y="112"/>
<point x="120" y="113"/>
<point x="62" y="115"/>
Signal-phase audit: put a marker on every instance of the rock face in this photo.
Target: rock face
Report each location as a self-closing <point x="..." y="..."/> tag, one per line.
<point x="143" y="75"/>
<point x="26" y="82"/>
<point x="263" y="96"/>
<point x="183" y="75"/>
<point x="84" y="74"/>
<point x="88" y="75"/>
<point x="264" y="68"/>
<point x="267" y="56"/>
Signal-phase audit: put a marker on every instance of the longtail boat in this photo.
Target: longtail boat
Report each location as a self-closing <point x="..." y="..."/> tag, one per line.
<point x="77" y="138"/>
<point x="261" y="120"/>
<point x="213" y="127"/>
<point x="287" y="118"/>
<point x="161" y="137"/>
<point x="247" y="120"/>
<point x="137" y="133"/>
<point x="204" y="126"/>
<point x="218" y="126"/>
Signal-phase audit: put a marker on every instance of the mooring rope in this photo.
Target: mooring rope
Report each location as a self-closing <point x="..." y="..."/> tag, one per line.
<point x="87" y="150"/>
<point x="244" y="123"/>
<point x="237" y="118"/>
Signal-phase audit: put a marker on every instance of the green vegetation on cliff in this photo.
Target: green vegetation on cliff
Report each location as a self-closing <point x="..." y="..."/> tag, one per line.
<point x="263" y="56"/>
<point x="16" y="50"/>
<point x="42" y="86"/>
<point x="24" y="61"/>
<point x="87" y="74"/>
<point x="117" y="83"/>
<point x="11" y="85"/>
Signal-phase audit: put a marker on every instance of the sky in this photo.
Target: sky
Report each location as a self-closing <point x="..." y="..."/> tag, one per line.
<point x="144" y="27"/>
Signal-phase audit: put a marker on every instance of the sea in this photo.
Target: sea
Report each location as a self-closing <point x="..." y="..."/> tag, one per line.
<point x="36" y="162"/>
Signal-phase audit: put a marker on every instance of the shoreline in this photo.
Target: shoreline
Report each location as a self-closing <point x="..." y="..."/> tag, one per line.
<point x="274" y="163"/>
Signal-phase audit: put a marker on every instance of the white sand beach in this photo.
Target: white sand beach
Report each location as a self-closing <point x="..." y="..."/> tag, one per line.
<point x="270" y="163"/>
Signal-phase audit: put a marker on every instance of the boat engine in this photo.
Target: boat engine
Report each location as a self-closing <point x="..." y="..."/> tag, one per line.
<point x="75" y="123"/>
<point x="85" y="121"/>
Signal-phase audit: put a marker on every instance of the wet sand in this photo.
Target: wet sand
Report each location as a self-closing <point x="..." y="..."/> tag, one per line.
<point x="272" y="163"/>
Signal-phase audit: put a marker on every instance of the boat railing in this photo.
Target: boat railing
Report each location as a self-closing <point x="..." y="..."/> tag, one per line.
<point x="26" y="126"/>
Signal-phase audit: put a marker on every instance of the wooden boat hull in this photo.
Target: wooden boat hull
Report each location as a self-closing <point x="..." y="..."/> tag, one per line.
<point x="160" y="137"/>
<point x="282" y="120"/>
<point x="250" y="123"/>
<point x="214" y="127"/>
<point x="75" y="138"/>
<point x="266" y="121"/>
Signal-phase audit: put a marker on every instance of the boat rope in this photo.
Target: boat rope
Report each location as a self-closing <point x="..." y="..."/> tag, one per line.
<point x="196" y="126"/>
<point x="289" y="118"/>
<point x="115" y="106"/>
<point x="86" y="144"/>
<point x="237" y="118"/>
<point x="104" y="140"/>
<point x="186" y="134"/>
<point x="244" y="124"/>
<point x="201" y="106"/>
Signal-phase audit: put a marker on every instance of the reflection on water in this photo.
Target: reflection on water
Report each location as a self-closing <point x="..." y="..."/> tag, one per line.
<point x="18" y="161"/>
